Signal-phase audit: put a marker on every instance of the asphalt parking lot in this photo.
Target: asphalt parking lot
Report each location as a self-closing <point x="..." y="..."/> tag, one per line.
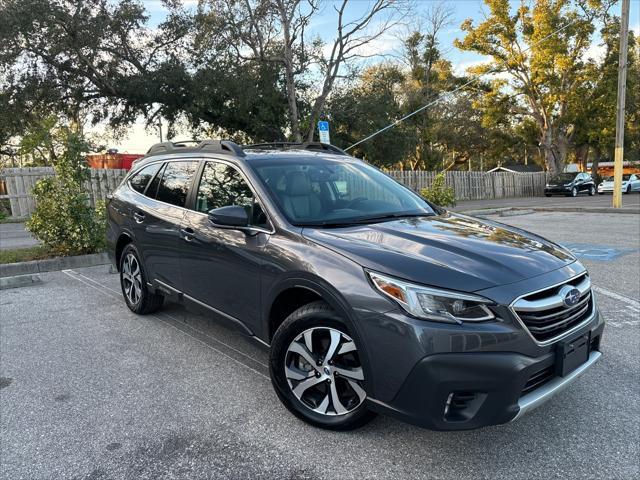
<point x="88" y="390"/>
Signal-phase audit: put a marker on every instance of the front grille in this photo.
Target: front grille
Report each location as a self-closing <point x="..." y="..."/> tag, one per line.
<point x="546" y="316"/>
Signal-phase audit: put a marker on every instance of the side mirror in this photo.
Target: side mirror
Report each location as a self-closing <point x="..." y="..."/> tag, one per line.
<point x="232" y="216"/>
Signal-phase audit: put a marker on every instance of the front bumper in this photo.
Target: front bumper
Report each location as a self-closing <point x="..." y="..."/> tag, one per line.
<point x="557" y="190"/>
<point x="537" y="397"/>
<point x="463" y="390"/>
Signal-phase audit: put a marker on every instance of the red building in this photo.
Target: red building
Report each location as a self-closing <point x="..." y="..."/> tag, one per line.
<point x="112" y="160"/>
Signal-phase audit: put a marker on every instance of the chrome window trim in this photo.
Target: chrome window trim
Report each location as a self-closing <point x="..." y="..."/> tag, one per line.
<point x="564" y="334"/>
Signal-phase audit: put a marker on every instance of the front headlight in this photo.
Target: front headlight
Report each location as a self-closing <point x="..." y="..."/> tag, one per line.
<point x="434" y="304"/>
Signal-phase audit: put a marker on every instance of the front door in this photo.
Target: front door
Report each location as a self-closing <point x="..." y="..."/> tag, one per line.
<point x="220" y="266"/>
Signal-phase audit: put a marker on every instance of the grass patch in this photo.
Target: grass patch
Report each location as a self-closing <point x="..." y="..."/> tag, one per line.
<point x="38" y="252"/>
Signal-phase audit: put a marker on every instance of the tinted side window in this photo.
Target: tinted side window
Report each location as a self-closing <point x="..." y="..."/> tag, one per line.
<point x="152" y="189"/>
<point x="174" y="186"/>
<point x="222" y="185"/>
<point x="140" y="180"/>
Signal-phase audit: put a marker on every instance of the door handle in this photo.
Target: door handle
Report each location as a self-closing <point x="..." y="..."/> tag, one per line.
<point x="187" y="233"/>
<point x="138" y="216"/>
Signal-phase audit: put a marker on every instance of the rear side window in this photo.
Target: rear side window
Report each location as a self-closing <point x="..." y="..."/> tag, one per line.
<point x="176" y="179"/>
<point x="141" y="179"/>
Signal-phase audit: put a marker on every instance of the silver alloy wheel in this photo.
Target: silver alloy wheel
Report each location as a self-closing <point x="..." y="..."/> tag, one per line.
<point x="132" y="278"/>
<point x="324" y="371"/>
<point x="574" y="192"/>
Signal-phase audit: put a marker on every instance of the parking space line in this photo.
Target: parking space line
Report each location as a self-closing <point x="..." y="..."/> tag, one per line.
<point x="101" y="285"/>
<point x="617" y="296"/>
<point x="101" y="288"/>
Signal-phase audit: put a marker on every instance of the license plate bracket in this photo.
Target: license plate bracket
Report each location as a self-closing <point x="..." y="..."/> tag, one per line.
<point x="570" y="354"/>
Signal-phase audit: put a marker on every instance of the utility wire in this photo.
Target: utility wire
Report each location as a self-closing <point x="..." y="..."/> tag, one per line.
<point x="445" y="94"/>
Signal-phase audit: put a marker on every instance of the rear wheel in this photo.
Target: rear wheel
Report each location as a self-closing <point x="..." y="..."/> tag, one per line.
<point x="592" y="191"/>
<point x="133" y="281"/>
<point x="574" y="192"/>
<point x="316" y="370"/>
<point x="628" y="190"/>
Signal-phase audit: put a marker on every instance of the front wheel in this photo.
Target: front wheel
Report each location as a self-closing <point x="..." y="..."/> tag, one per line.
<point x="574" y="192"/>
<point x="592" y="191"/>
<point x="628" y="190"/>
<point x="316" y="369"/>
<point x="133" y="281"/>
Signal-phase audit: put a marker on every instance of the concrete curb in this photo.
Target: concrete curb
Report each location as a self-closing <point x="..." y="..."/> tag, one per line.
<point x="53" y="264"/>
<point x="19" y="281"/>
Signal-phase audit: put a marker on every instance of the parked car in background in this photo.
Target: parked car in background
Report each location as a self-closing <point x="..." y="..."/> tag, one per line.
<point x="570" y="184"/>
<point x="630" y="183"/>
<point x="370" y="298"/>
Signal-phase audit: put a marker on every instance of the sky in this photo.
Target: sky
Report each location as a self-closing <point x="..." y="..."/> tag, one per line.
<point x="140" y="139"/>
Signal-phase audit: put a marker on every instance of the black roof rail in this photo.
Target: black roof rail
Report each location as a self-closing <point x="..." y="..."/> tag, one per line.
<point x="313" y="146"/>
<point x="184" y="146"/>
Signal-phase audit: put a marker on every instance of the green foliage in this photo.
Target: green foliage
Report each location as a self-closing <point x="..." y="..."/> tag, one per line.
<point x="439" y="192"/>
<point x="63" y="220"/>
<point x="546" y="71"/>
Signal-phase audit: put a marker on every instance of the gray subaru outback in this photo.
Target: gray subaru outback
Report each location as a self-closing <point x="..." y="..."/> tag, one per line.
<point x="370" y="298"/>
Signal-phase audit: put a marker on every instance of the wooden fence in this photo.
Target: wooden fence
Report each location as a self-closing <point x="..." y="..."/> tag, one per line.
<point x="467" y="185"/>
<point x="478" y="185"/>
<point x="19" y="182"/>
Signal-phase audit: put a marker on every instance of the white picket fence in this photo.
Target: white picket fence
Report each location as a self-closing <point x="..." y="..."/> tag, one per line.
<point x="19" y="182"/>
<point x="467" y="185"/>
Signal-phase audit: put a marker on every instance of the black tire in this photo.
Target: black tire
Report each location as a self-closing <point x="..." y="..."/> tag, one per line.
<point x="628" y="190"/>
<point x="146" y="301"/>
<point x="574" y="192"/>
<point x="319" y="317"/>
<point x="592" y="191"/>
<point x="600" y="193"/>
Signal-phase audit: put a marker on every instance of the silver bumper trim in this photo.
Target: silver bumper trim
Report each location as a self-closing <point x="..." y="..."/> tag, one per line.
<point x="548" y="390"/>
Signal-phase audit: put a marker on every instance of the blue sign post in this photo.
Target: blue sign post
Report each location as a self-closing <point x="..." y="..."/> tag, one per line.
<point x="323" y="130"/>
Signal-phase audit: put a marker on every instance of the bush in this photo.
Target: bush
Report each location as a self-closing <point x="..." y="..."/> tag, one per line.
<point x="63" y="220"/>
<point x="439" y="192"/>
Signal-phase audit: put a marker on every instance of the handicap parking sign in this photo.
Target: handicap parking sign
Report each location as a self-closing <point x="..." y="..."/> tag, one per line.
<point x="323" y="130"/>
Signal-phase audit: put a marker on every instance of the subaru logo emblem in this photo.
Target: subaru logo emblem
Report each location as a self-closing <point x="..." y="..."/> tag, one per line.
<point x="570" y="295"/>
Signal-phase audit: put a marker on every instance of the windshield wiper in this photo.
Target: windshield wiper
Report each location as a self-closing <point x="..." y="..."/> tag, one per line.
<point x="392" y="216"/>
<point x="365" y="221"/>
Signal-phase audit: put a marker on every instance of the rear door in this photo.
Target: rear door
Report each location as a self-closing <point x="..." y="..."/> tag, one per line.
<point x="157" y="219"/>
<point x="220" y="266"/>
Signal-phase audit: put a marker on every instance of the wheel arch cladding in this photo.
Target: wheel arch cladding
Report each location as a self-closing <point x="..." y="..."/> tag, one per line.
<point x="123" y="240"/>
<point x="288" y="301"/>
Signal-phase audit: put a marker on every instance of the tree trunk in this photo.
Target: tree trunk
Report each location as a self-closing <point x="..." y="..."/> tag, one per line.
<point x="293" y="103"/>
<point x="554" y="154"/>
<point x="595" y="164"/>
<point x="582" y="154"/>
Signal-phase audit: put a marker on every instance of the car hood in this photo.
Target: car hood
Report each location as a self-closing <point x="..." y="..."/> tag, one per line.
<point x="449" y="251"/>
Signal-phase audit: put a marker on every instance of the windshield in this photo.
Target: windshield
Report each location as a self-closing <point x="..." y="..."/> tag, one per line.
<point x="563" y="178"/>
<point x="320" y="192"/>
